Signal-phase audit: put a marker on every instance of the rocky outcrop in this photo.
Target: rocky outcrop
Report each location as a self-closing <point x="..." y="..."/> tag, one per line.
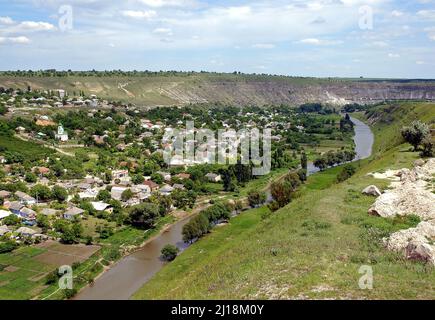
<point x="372" y="191"/>
<point x="412" y="194"/>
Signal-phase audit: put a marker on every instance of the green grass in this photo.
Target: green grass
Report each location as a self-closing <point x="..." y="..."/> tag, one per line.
<point x="28" y="149"/>
<point x="320" y="240"/>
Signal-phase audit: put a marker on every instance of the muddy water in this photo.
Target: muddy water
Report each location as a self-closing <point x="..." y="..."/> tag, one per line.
<point x="363" y="139"/>
<point x="133" y="271"/>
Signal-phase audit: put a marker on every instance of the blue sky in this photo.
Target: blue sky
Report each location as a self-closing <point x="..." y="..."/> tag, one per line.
<point x="294" y="37"/>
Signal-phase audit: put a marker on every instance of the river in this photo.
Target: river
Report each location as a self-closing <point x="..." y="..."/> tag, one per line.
<point x="133" y="271"/>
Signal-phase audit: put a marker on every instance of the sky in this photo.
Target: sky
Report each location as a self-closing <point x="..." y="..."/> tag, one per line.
<point x="319" y="38"/>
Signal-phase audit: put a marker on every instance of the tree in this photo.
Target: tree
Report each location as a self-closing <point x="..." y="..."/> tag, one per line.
<point x="144" y="215"/>
<point x="428" y="147"/>
<point x="183" y="199"/>
<point x="42" y="222"/>
<point x="41" y="192"/>
<point x="304" y="161"/>
<point x="126" y="195"/>
<point x="320" y="163"/>
<point x="169" y="252"/>
<point x="59" y="193"/>
<point x="157" y="178"/>
<point x="104" y="195"/>
<point x="415" y="133"/>
<point x="256" y="198"/>
<point x="138" y="179"/>
<point x="30" y="177"/>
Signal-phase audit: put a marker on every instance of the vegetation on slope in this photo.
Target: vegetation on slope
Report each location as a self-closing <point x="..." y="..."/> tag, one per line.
<point x="315" y="246"/>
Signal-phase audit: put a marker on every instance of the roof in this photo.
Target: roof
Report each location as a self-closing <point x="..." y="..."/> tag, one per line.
<point x="4" y="214"/>
<point x="100" y="206"/>
<point x="167" y="188"/>
<point x="4" y="194"/>
<point x="28" y="211"/>
<point x="15" y="205"/>
<point x="73" y="211"/>
<point x="3" y="230"/>
<point x="183" y="176"/>
<point x="48" y="211"/>
<point x="25" y="230"/>
<point x="151" y="184"/>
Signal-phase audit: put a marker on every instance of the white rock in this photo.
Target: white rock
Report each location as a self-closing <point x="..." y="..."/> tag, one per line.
<point x="372" y="191"/>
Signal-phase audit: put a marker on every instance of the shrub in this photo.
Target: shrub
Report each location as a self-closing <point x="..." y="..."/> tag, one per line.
<point x="347" y="172"/>
<point x="169" y="252"/>
<point x="8" y="246"/>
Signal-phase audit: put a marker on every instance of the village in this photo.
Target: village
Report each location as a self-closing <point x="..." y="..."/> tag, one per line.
<point x="82" y="171"/>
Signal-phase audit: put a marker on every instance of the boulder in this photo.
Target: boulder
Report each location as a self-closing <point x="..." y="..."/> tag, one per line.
<point x="372" y="191"/>
<point x="419" y="163"/>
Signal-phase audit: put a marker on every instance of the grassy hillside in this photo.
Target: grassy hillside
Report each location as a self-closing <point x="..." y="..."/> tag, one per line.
<point x="178" y="89"/>
<point x="314" y="247"/>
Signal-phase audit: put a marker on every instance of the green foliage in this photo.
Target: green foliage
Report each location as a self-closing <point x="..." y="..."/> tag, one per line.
<point x="8" y="246"/>
<point x="348" y="171"/>
<point x="144" y="215"/>
<point x="59" y="193"/>
<point x="169" y="252"/>
<point x="41" y="192"/>
<point x="256" y="198"/>
<point x="126" y="195"/>
<point x="415" y="133"/>
<point x="12" y="220"/>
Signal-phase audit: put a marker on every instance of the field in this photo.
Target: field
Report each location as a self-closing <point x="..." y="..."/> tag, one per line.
<point x="23" y="271"/>
<point x="28" y="149"/>
<point x="311" y="249"/>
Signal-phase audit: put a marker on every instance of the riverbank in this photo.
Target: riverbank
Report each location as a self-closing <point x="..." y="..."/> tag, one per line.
<point x="311" y="249"/>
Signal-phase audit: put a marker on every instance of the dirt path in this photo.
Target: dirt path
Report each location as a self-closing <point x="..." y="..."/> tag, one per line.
<point x="45" y="145"/>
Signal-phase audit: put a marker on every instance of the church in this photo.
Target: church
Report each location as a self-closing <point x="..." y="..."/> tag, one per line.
<point x="61" y="134"/>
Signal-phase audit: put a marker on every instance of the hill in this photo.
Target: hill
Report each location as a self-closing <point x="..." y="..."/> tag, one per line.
<point x="315" y="246"/>
<point x="240" y="89"/>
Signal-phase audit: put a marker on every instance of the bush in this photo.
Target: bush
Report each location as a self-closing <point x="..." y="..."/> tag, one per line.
<point x="11" y="220"/>
<point x="8" y="246"/>
<point x="169" y="252"/>
<point x="347" y="172"/>
<point x="256" y="198"/>
<point x="415" y="133"/>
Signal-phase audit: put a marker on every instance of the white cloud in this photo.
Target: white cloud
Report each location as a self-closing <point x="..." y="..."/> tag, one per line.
<point x="18" y="40"/>
<point x="35" y="26"/>
<point x="167" y="3"/>
<point x="147" y="14"/>
<point x="379" y="44"/>
<point x="320" y="42"/>
<point x="432" y="37"/>
<point x="426" y="14"/>
<point x="397" y="13"/>
<point x="163" y="31"/>
<point x="263" y="46"/>
<point x="419" y="62"/>
<point x="393" y="55"/>
<point x="6" y="20"/>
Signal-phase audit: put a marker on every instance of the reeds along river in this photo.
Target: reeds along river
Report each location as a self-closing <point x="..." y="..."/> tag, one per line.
<point x="133" y="271"/>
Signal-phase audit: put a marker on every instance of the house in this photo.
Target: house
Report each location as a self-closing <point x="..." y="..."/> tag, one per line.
<point x="73" y="212"/>
<point x="25" y="198"/>
<point x="178" y="186"/>
<point x="26" y="232"/>
<point x="61" y="134"/>
<point x="4" y="214"/>
<point x="152" y="185"/>
<point x="183" y="176"/>
<point x="116" y="192"/>
<point x="88" y="194"/>
<point x="141" y="188"/>
<point x="42" y="171"/>
<point x="4" y="194"/>
<point x="212" y="177"/>
<point x="14" y="206"/>
<point x="166" y="190"/>
<point x="119" y="174"/>
<point x="48" y="212"/>
<point x="4" y="230"/>
<point x="27" y="214"/>
<point x="102" y="207"/>
<point x="165" y="175"/>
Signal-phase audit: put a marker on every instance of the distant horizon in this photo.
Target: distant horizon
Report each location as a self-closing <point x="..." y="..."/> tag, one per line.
<point x="220" y="73"/>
